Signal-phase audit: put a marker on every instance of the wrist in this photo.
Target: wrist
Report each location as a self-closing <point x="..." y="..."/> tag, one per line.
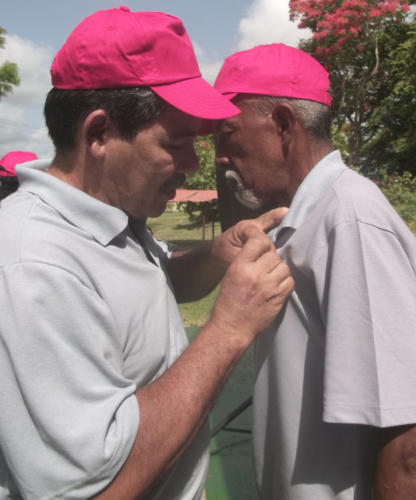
<point x="228" y="335"/>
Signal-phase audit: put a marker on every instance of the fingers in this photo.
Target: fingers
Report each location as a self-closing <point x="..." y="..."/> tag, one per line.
<point x="279" y="284"/>
<point x="253" y="291"/>
<point x="255" y="246"/>
<point x="271" y="219"/>
<point x="262" y="256"/>
<point x="248" y="228"/>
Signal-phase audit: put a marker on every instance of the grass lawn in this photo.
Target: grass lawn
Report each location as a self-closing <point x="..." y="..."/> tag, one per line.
<point x="176" y="228"/>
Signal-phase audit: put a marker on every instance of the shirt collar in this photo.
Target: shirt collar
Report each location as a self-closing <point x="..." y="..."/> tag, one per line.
<point x="103" y="222"/>
<point x="310" y="191"/>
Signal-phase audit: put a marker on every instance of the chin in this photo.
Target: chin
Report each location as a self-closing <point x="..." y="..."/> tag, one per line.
<point x="156" y="211"/>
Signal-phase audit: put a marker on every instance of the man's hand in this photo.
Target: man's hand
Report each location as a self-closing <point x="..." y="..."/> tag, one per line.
<point x="175" y="405"/>
<point x="255" y="286"/>
<point x="228" y="245"/>
<point x="196" y="272"/>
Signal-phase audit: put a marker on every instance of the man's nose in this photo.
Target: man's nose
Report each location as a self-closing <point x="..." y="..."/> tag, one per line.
<point x="222" y="161"/>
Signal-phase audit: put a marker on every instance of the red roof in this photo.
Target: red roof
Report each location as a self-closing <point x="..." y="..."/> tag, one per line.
<point x="195" y="195"/>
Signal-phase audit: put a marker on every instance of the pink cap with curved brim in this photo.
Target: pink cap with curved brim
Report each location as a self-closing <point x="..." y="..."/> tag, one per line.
<point x="275" y="70"/>
<point x="10" y="160"/>
<point x="117" y="48"/>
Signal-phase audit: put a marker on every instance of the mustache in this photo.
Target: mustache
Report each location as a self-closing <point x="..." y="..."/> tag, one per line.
<point x="244" y="195"/>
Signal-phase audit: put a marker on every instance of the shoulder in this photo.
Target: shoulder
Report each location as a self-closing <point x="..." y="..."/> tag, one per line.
<point x="33" y="232"/>
<point x="358" y="199"/>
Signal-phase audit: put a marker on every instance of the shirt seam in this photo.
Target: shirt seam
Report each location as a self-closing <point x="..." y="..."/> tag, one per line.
<point x="6" y="267"/>
<point x="355" y="219"/>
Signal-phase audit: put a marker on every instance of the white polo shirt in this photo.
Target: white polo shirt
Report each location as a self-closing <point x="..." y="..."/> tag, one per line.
<point x="339" y="361"/>
<point x="85" y="319"/>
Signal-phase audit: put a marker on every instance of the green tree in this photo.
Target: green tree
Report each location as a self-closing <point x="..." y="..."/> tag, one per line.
<point x="353" y="39"/>
<point x="204" y="178"/>
<point x="9" y="75"/>
<point x="393" y="145"/>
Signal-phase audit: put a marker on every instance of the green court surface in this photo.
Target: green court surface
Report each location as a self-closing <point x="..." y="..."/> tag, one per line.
<point x="231" y="474"/>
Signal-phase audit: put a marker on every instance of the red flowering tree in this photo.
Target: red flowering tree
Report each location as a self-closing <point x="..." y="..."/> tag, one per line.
<point x="353" y="40"/>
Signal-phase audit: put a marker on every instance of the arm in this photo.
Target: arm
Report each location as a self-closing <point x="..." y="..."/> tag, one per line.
<point x="195" y="273"/>
<point x="175" y="406"/>
<point x="395" y="474"/>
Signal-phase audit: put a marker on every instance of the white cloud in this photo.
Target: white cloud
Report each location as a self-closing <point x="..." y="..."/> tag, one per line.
<point x="21" y="112"/>
<point x="209" y="68"/>
<point x="267" y="21"/>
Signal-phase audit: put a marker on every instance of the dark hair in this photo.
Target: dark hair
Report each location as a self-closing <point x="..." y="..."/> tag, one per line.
<point x="8" y="185"/>
<point x="128" y="108"/>
<point x="314" y="116"/>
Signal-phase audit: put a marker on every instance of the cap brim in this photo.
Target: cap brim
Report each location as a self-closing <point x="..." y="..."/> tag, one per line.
<point x="208" y="126"/>
<point x="4" y="173"/>
<point x="196" y="97"/>
<point x="230" y="95"/>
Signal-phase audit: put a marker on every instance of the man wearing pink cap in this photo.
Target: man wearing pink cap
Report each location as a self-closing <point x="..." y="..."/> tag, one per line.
<point x="100" y="395"/>
<point x="8" y="178"/>
<point x="335" y="393"/>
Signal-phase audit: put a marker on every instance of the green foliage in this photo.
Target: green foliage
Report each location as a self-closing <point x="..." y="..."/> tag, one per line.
<point x="401" y="192"/>
<point x="393" y="145"/>
<point x="339" y="140"/>
<point x="204" y="178"/>
<point x="9" y="76"/>
<point x="365" y="46"/>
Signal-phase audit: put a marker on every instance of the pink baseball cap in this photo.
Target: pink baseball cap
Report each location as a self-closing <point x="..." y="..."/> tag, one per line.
<point x="10" y="160"/>
<point x="116" y="48"/>
<point x="274" y="70"/>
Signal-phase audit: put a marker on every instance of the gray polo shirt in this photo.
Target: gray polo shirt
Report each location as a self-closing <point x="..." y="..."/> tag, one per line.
<point x="86" y="318"/>
<point x="340" y="360"/>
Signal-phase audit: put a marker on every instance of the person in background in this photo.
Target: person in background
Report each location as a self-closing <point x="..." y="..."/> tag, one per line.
<point x="101" y="397"/>
<point x="335" y="393"/>
<point x="8" y="178"/>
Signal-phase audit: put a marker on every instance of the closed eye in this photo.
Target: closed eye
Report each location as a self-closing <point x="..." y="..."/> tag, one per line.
<point x="176" y="146"/>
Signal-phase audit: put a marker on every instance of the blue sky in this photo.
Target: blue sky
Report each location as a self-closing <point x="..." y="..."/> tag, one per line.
<point x="36" y="29"/>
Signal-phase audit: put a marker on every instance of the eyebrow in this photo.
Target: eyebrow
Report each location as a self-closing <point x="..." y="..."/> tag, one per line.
<point x="224" y="124"/>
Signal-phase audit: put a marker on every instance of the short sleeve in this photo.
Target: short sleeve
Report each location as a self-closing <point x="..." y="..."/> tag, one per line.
<point x="369" y="304"/>
<point x="68" y="415"/>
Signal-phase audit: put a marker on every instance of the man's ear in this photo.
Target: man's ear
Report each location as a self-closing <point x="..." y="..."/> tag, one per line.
<point x="285" y="120"/>
<point x="96" y="131"/>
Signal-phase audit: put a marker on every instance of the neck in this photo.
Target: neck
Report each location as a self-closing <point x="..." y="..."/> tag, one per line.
<point x="307" y="155"/>
<point x="66" y="167"/>
<point x="319" y="150"/>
